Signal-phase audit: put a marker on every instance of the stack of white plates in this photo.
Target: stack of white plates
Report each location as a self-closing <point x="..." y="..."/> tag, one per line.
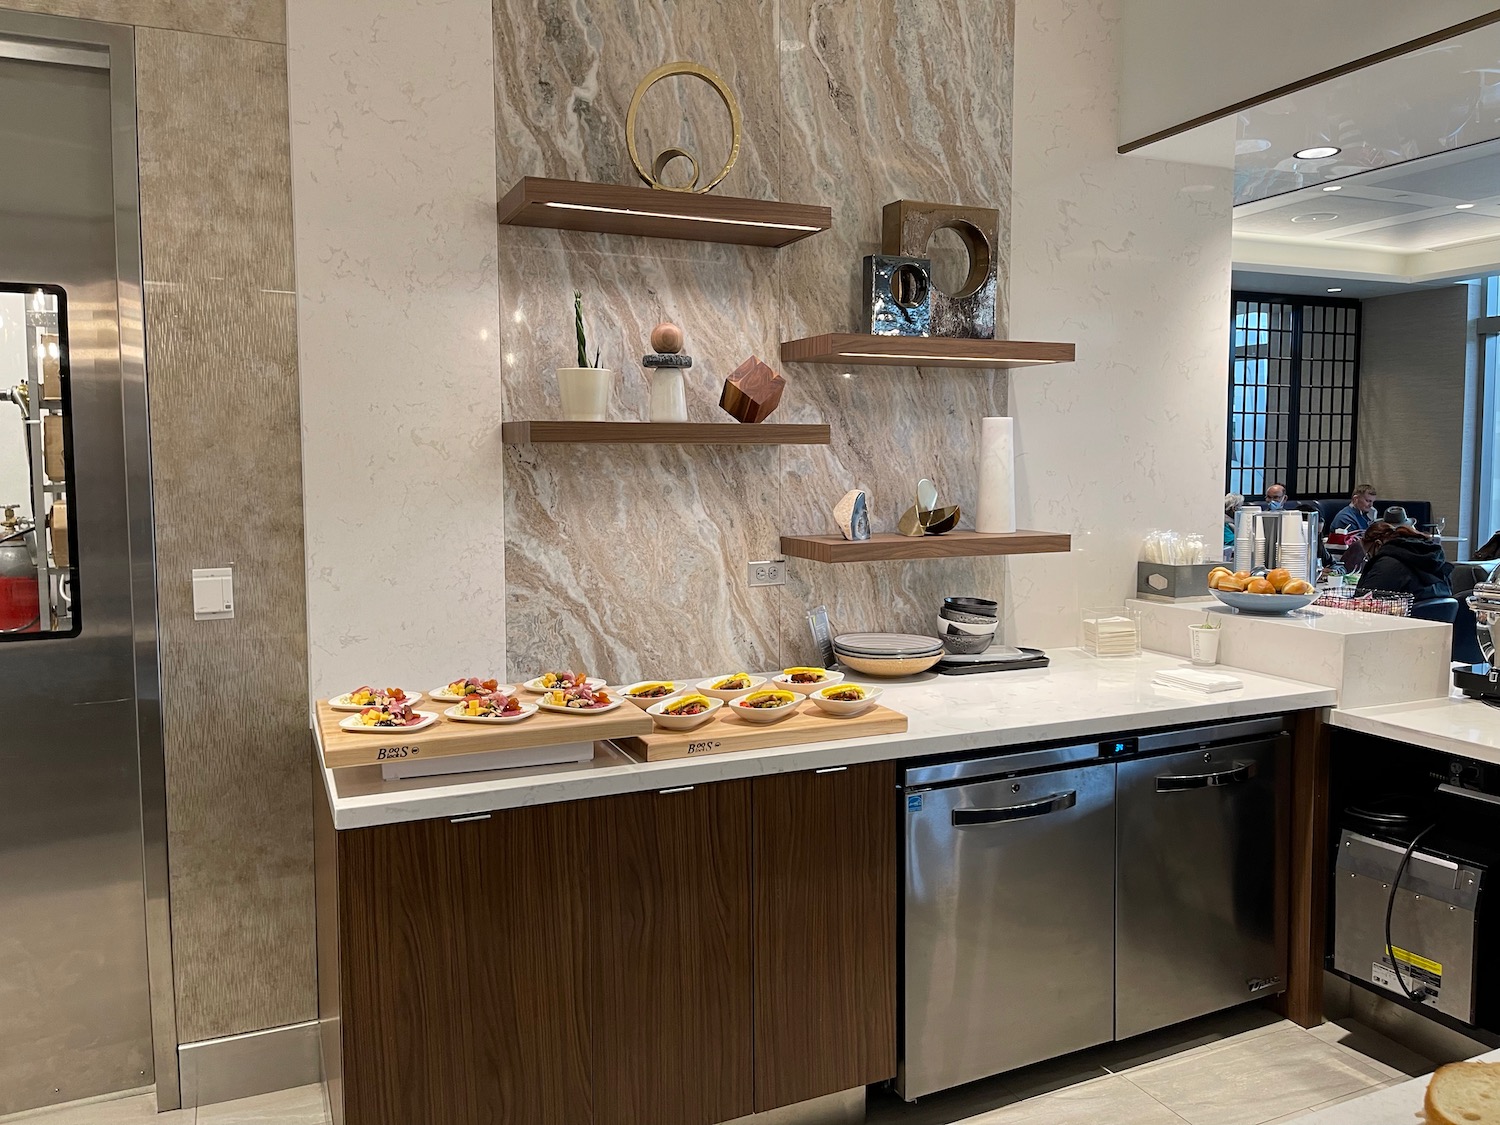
<point x="1110" y="636"/>
<point x="887" y="654"/>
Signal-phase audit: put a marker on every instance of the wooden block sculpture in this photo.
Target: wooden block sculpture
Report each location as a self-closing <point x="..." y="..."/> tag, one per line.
<point x="907" y="226"/>
<point x="752" y="392"/>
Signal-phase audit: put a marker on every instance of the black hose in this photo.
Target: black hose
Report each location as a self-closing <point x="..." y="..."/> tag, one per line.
<point x="1390" y="906"/>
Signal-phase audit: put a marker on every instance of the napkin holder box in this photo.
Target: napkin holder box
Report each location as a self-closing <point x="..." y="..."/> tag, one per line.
<point x="1160" y="582"/>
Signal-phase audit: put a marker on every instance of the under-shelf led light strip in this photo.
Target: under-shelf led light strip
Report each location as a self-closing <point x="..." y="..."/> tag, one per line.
<point x="685" y="218"/>
<point x="937" y="360"/>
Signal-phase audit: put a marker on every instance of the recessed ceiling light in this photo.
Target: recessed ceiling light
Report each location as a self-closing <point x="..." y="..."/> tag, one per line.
<point x="1317" y="152"/>
<point x="1335" y="291"/>
<point x="1462" y="206"/>
<point x="1314" y="217"/>
<point x="1333" y="187"/>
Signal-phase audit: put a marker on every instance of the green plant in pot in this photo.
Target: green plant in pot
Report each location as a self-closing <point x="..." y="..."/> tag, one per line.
<point x="584" y="389"/>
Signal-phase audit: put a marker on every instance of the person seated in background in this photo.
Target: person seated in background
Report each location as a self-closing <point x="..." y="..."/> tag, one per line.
<point x="1401" y="560"/>
<point x="1232" y="502"/>
<point x="1276" y="499"/>
<point x="1359" y="513"/>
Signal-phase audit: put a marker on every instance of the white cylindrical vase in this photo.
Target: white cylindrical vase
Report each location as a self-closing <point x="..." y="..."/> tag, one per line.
<point x="668" y="395"/>
<point x="997" y="475"/>
<point x="585" y="392"/>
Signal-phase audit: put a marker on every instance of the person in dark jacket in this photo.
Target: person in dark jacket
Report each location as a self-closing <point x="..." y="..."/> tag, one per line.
<point x="1404" y="561"/>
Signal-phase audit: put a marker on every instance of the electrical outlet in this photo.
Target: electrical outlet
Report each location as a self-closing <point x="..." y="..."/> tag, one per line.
<point x="772" y="572"/>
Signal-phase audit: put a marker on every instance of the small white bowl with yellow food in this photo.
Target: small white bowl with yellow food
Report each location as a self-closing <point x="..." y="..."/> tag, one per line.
<point x="845" y="700"/>
<point x="729" y="687"/>
<point x="805" y="681"/>
<point x="684" y="712"/>
<point x="766" y="705"/>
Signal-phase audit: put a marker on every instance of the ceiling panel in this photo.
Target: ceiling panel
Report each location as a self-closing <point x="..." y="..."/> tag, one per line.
<point x="1464" y="181"/>
<point x="1348" y="209"/>
<point x="1426" y="234"/>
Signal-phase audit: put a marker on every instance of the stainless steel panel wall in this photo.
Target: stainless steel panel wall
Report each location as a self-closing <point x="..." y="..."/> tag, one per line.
<point x="75" y="1015"/>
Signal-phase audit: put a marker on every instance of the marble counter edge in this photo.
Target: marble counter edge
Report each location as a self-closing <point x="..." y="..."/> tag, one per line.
<point x="1397" y="722"/>
<point x="493" y="791"/>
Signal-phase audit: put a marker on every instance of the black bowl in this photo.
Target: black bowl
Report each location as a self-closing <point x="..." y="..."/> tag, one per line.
<point x="983" y="607"/>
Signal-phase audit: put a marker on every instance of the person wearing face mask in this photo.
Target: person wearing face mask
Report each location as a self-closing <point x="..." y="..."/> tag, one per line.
<point x="1276" y="498"/>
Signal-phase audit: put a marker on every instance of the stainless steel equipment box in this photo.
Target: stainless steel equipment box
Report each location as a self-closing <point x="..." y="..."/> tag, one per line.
<point x="1158" y="582"/>
<point x="1433" y="931"/>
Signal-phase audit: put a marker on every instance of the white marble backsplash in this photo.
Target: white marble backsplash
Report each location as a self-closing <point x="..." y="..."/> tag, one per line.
<point x="1130" y="258"/>
<point x="631" y="560"/>
<point x="398" y="328"/>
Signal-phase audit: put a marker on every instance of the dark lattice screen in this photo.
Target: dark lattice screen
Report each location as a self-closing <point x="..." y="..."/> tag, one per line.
<point x="1293" y="375"/>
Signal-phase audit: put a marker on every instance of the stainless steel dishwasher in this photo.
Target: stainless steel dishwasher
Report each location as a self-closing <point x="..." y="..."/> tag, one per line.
<point x="1060" y="897"/>
<point x="1200" y="874"/>
<point x="1008" y="927"/>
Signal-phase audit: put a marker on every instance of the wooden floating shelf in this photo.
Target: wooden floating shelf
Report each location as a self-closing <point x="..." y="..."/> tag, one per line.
<point x="664" y="433"/>
<point x="953" y="545"/>
<point x="857" y="349"/>
<point x="654" y="213"/>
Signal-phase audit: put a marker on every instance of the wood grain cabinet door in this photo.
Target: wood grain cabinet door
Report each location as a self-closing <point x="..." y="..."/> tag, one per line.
<point x="404" y="1001"/>
<point x="527" y="873"/>
<point x="824" y="857"/>
<point x="671" y="956"/>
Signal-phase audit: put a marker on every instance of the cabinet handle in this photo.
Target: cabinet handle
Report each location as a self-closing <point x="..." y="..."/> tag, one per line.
<point x="1055" y="803"/>
<point x="679" y="789"/>
<point x="1242" y="771"/>
<point x="831" y="769"/>
<point x="468" y="819"/>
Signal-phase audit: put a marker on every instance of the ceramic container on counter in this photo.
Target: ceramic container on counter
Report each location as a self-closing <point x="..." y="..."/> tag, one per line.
<point x="845" y="708"/>
<point x="727" y="694"/>
<point x="659" y="715"/>
<point x="646" y="702"/>
<point x="783" y="680"/>
<point x="766" y="714"/>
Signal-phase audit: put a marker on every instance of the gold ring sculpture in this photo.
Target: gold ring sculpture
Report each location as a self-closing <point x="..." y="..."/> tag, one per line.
<point x="659" y="165"/>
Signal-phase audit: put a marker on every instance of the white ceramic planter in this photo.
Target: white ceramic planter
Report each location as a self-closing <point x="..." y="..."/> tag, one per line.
<point x="668" y="395"/>
<point x="585" y="392"/>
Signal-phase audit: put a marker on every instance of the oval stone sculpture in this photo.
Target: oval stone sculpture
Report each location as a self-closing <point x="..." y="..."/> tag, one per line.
<point x="851" y="515"/>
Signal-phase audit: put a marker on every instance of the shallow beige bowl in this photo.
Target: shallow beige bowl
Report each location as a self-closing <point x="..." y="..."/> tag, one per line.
<point x="904" y="666"/>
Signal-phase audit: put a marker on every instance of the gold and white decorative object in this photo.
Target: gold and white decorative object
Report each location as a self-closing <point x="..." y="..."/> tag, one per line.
<point x="997" y="476"/>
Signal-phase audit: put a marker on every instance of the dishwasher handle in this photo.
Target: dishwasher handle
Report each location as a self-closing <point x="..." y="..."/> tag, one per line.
<point x="966" y="818"/>
<point x="1241" y="771"/>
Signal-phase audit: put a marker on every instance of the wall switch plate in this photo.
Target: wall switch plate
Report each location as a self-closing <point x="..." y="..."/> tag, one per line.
<point x="213" y="593"/>
<point x="771" y="572"/>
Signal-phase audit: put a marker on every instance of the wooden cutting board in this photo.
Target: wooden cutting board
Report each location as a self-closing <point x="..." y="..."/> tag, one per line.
<point x="447" y="738"/>
<point x="726" y="732"/>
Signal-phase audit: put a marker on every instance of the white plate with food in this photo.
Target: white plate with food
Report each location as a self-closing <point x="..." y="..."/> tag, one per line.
<point x="648" y="693"/>
<point x="770" y="705"/>
<point x="805" y="681"/>
<point x="420" y="721"/>
<point x="460" y="713"/>
<point x="459" y="690"/>
<point x="730" y="687"/>
<point x="845" y="700"/>
<point x="362" y="697"/>
<point x="550" y="681"/>
<point x="685" y="712"/>
<point x="583" y="699"/>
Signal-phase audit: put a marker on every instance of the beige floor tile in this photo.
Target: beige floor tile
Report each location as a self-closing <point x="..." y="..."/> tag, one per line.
<point x="1376" y="1050"/>
<point x="302" y="1106"/>
<point x="1297" y="1115"/>
<point x="1257" y="1080"/>
<point x="1223" y="1029"/>
<point x="945" y="1108"/>
<point x="1108" y="1099"/>
<point x="139" y="1109"/>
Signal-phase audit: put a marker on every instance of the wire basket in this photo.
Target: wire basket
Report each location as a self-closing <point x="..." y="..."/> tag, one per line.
<point x="1376" y="601"/>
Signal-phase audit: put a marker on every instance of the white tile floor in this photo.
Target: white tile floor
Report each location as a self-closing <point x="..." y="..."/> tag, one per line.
<point x="1241" y="1068"/>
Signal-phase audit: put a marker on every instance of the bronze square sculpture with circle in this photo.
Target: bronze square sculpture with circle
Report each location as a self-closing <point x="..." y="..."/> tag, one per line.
<point x="907" y="226"/>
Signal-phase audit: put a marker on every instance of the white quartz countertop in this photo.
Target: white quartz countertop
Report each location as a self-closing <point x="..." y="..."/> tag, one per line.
<point x="1077" y="697"/>
<point x="1455" y="724"/>
<point x="1395" y="1105"/>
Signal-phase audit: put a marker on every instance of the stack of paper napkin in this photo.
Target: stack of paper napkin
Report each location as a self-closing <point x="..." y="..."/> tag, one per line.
<point x="1195" y="680"/>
